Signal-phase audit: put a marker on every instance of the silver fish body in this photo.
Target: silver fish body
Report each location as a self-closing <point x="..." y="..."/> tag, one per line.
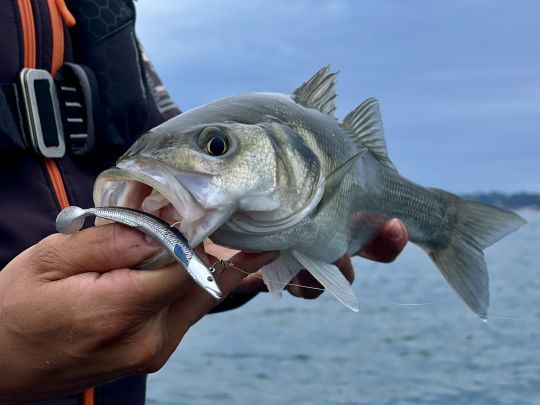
<point x="267" y="171"/>
<point x="71" y="219"/>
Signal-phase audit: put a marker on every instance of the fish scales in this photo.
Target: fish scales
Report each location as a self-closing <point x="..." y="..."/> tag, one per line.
<point x="424" y="212"/>
<point x="267" y="171"/>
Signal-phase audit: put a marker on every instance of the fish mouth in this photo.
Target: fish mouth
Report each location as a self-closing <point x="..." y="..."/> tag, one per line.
<point x="188" y="201"/>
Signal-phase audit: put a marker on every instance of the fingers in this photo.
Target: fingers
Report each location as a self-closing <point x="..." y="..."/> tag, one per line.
<point x="344" y="264"/>
<point x="218" y="251"/>
<point x="194" y="305"/>
<point x="298" y="284"/>
<point x="148" y="291"/>
<point x="389" y="244"/>
<point x="157" y="288"/>
<point x="151" y="289"/>
<point x="252" y="284"/>
<point x="304" y="278"/>
<point x="97" y="249"/>
<point x="249" y="263"/>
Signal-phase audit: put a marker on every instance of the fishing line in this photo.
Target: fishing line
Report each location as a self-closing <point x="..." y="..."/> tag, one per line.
<point x="508" y="318"/>
<point x="227" y="264"/>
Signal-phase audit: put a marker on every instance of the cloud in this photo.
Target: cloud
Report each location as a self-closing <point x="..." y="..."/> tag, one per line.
<point x="447" y="73"/>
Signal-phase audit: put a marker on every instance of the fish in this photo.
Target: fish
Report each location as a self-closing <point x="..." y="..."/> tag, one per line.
<point x="71" y="219"/>
<point x="271" y="171"/>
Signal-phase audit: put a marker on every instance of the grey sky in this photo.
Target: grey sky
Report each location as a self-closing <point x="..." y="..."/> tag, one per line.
<point x="458" y="81"/>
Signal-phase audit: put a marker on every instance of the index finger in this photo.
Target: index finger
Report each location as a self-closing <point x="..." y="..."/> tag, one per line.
<point x="389" y="244"/>
<point x="197" y="303"/>
<point x="97" y="249"/>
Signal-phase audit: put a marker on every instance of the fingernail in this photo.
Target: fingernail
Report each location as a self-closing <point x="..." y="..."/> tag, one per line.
<point x="396" y="230"/>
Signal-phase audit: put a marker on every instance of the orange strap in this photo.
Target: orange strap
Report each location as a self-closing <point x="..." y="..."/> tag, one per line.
<point x="68" y="18"/>
<point x="29" y="33"/>
<point x="88" y="397"/>
<point x="59" y="14"/>
<point x="57" y="182"/>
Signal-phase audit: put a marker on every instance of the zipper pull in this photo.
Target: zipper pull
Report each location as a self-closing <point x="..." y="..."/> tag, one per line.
<point x="68" y="18"/>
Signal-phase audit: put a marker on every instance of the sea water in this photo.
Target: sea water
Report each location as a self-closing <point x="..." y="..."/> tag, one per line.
<point x="293" y="351"/>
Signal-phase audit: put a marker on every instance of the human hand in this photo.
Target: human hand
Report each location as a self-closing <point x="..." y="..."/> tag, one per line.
<point x="385" y="248"/>
<point x="73" y="314"/>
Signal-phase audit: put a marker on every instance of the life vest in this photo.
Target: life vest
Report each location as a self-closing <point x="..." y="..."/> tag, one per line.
<point x="84" y="53"/>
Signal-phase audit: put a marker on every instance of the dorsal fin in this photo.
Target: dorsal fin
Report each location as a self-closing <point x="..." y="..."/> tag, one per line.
<point x="364" y="126"/>
<point x="319" y="92"/>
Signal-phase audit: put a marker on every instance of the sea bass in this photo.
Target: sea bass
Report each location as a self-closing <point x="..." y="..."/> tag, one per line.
<point x="268" y="171"/>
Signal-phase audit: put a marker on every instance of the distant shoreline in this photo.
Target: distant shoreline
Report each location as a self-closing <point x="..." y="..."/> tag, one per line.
<point x="509" y="201"/>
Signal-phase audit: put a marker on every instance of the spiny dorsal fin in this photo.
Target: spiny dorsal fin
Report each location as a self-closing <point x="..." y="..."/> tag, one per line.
<point x="365" y="129"/>
<point x="319" y="92"/>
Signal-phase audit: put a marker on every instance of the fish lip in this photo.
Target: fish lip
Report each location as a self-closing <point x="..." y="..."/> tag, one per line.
<point x="132" y="170"/>
<point x="108" y="190"/>
<point x="111" y="185"/>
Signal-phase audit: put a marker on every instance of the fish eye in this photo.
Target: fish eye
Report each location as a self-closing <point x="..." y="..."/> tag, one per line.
<point x="216" y="142"/>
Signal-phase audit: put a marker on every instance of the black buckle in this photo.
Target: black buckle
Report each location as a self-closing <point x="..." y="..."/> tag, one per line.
<point x="42" y="112"/>
<point x="80" y="101"/>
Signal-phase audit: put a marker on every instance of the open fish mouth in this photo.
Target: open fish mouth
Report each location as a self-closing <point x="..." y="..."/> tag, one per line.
<point x="188" y="201"/>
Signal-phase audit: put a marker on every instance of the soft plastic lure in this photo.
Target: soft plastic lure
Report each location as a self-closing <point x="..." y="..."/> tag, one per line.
<point x="71" y="220"/>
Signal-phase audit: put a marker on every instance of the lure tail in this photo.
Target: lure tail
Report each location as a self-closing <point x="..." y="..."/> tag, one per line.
<point x="461" y="258"/>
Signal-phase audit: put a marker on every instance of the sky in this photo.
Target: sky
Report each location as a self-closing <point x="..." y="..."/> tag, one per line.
<point x="458" y="81"/>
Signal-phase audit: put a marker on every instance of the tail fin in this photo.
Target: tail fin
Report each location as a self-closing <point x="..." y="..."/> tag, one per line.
<point x="461" y="259"/>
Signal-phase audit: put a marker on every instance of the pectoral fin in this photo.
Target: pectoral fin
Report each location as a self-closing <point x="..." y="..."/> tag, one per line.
<point x="279" y="273"/>
<point x="331" y="278"/>
<point x="335" y="178"/>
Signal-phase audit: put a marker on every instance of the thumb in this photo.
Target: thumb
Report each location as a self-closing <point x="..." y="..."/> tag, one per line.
<point x="97" y="249"/>
<point x="200" y="302"/>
